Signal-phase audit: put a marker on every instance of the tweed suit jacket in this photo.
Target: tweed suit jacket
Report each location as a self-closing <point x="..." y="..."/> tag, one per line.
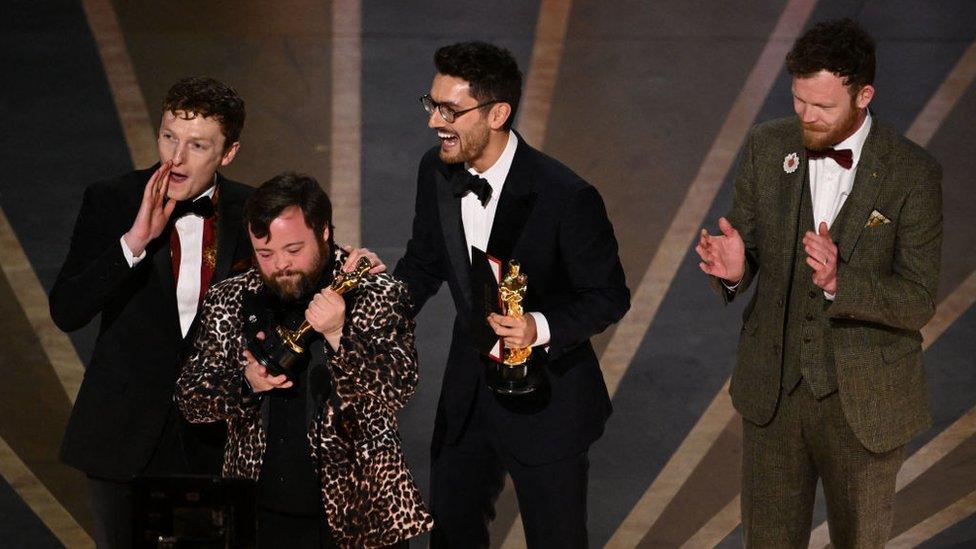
<point x="886" y="278"/>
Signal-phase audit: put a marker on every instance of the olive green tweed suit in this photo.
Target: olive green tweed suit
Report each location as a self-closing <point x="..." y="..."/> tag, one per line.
<point x="886" y="286"/>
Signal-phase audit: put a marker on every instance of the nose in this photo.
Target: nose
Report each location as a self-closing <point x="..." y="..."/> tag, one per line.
<point x="806" y="114"/>
<point x="435" y="120"/>
<point x="281" y="262"/>
<point x="179" y="151"/>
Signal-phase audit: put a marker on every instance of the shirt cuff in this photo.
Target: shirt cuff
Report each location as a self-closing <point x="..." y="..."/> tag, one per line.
<point x="541" y="329"/>
<point x="133" y="260"/>
<point x="829" y="296"/>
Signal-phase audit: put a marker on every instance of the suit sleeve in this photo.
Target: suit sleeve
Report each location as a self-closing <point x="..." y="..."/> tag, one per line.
<point x="211" y="384"/>
<point x="600" y="294"/>
<point x="95" y="267"/>
<point x="420" y="266"/>
<point x="904" y="297"/>
<point x="382" y="361"/>
<point x="743" y="219"/>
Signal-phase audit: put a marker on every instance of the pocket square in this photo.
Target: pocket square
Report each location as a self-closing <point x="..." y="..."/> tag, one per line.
<point x="877" y="218"/>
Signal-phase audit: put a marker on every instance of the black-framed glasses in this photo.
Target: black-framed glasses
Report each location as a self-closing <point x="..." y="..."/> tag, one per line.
<point x="447" y="113"/>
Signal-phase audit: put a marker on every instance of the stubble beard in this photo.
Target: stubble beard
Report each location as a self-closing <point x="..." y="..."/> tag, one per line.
<point x="469" y="148"/>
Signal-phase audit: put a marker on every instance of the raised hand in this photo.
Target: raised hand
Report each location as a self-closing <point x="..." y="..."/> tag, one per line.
<point x="722" y="255"/>
<point x="822" y="258"/>
<point x="327" y="314"/>
<point x="154" y="211"/>
<point x="356" y="253"/>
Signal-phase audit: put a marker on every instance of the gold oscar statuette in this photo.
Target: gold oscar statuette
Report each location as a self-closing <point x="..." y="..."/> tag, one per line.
<point x="512" y="290"/>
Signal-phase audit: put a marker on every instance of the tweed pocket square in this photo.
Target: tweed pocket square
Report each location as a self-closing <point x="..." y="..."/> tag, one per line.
<point x="877" y="218"/>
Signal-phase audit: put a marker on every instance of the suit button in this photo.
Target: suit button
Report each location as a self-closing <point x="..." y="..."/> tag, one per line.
<point x="780" y="302"/>
<point x="813" y="293"/>
<point x="807" y="340"/>
<point x="809" y="316"/>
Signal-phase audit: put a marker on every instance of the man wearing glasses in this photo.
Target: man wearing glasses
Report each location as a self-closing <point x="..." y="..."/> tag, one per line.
<point x="483" y="187"/>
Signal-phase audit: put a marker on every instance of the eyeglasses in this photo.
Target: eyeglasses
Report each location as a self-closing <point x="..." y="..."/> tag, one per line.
<point x="447" y="113"/>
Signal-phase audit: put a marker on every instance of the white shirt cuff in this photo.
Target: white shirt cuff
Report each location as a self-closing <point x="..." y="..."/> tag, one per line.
<point x="541" y="329"/>
<point x="828" y="296"/>
<point x="131" y="259"/>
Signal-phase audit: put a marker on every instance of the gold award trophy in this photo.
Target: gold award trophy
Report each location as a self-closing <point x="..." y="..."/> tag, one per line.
<point x="512" y="376"/>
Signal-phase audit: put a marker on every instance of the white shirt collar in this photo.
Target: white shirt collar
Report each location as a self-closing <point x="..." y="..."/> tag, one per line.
<point x="855" y="142"/>
<point x="498" y="171"/>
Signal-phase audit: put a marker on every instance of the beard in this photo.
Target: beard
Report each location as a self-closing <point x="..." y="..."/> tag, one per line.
<point x="295" y="286"/>
<point x="470" y="146"/>
<point x="818" y="137"/>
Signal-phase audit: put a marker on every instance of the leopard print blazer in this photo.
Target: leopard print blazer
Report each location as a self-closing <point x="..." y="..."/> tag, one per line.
<point x="368" y="493"/>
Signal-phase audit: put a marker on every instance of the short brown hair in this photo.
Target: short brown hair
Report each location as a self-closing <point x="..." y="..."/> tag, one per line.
<point x="284" y="191"/>
<point x="841" y="47"/>
<point x="209" y="98"/>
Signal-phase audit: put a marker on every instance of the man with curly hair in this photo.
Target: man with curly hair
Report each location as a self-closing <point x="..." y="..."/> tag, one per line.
<point x="838" y="219"/>
<point x="320" y="440"/>
<point x="145" y="248"/>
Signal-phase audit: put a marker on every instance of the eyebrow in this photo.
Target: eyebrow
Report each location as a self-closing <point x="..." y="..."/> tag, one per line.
<point x="265" y="249"/>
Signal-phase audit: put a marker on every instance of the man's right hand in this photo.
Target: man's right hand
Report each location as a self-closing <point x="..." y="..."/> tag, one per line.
<point x="722" y="255"/>
<point x="258" y="377"/>
<point x="153" y="213"/>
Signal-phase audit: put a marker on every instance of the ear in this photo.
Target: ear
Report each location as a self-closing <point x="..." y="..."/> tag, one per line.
<point x="230" y="153"/>
<point x="864" y="96"/>
<point x="499" y="115"/>
<point x="325" y="233"/>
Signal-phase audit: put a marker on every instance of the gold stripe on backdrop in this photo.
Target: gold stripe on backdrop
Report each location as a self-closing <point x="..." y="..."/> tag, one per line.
<point x="344" y="188"/>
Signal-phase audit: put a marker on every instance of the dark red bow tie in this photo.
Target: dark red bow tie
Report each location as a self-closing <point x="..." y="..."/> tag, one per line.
<point x="843" y="157"/>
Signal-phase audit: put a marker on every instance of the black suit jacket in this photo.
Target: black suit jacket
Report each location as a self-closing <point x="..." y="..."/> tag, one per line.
<point x="127" y="391"/>
<point x="556" y="226"/>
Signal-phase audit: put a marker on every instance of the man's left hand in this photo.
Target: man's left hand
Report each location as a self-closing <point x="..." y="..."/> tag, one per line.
<point x="822" y="258"/>
<point x="356" y="253"/>
<point x="327" y="314"/>
<point x="517" y="333"/>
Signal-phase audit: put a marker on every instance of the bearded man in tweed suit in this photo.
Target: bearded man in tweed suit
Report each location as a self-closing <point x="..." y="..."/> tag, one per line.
<point x="838" y="220"/>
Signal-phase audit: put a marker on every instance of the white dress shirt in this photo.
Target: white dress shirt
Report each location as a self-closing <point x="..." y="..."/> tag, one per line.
<point x="189" y="228"/>
<point x="831" y="184"/>
<point x="477" y="219"/>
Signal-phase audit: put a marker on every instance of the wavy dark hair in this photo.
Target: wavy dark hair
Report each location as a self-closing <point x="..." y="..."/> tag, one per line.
<point x="284" y="191"/>
<point x="209" y="98"/>
<point x="841" y="47"/>
<point x="491" y="72"/>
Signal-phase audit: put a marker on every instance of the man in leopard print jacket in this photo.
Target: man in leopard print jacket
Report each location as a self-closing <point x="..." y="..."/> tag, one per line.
<point x="323" y="446"/>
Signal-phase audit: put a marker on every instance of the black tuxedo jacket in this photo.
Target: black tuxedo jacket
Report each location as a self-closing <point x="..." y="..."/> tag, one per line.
<point x="127" y="391"/>
<point x="555" y="225"/>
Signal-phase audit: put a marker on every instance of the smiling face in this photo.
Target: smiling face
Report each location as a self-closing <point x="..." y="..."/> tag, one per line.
<point x="826" y="109"/>
<point x="465" y="139"/>
<point x="291" y="259"/>
<point x="197" y="148"/>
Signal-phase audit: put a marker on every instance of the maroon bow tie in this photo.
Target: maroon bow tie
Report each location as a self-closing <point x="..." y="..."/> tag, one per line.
<point x="843" y="157"/>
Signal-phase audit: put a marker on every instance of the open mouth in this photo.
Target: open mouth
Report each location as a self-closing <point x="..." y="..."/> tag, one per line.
<point x="448" y="140"/>
<point x="176" y="177"/>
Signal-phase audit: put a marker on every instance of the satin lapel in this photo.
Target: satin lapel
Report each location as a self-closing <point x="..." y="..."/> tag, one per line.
<point x="163" y="263"/>
<point x="450" y="215"/>
<point x="514" y="206"/>
<point x="791" y="187"/>
<point x="230" y="213"/>
<point x="867" y="182"/>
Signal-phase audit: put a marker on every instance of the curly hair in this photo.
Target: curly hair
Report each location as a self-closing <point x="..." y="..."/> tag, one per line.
<point x="284" y="191"/>
<point x="841" y="47"/>
<point x="204" y="96"/>
<point x="491" y="72"/>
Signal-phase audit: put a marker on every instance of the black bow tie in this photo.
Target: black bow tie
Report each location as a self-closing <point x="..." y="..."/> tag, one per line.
<point x="464" y="181"/>
<point x="203" y="206"/>
<point x="843" y="157"/>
